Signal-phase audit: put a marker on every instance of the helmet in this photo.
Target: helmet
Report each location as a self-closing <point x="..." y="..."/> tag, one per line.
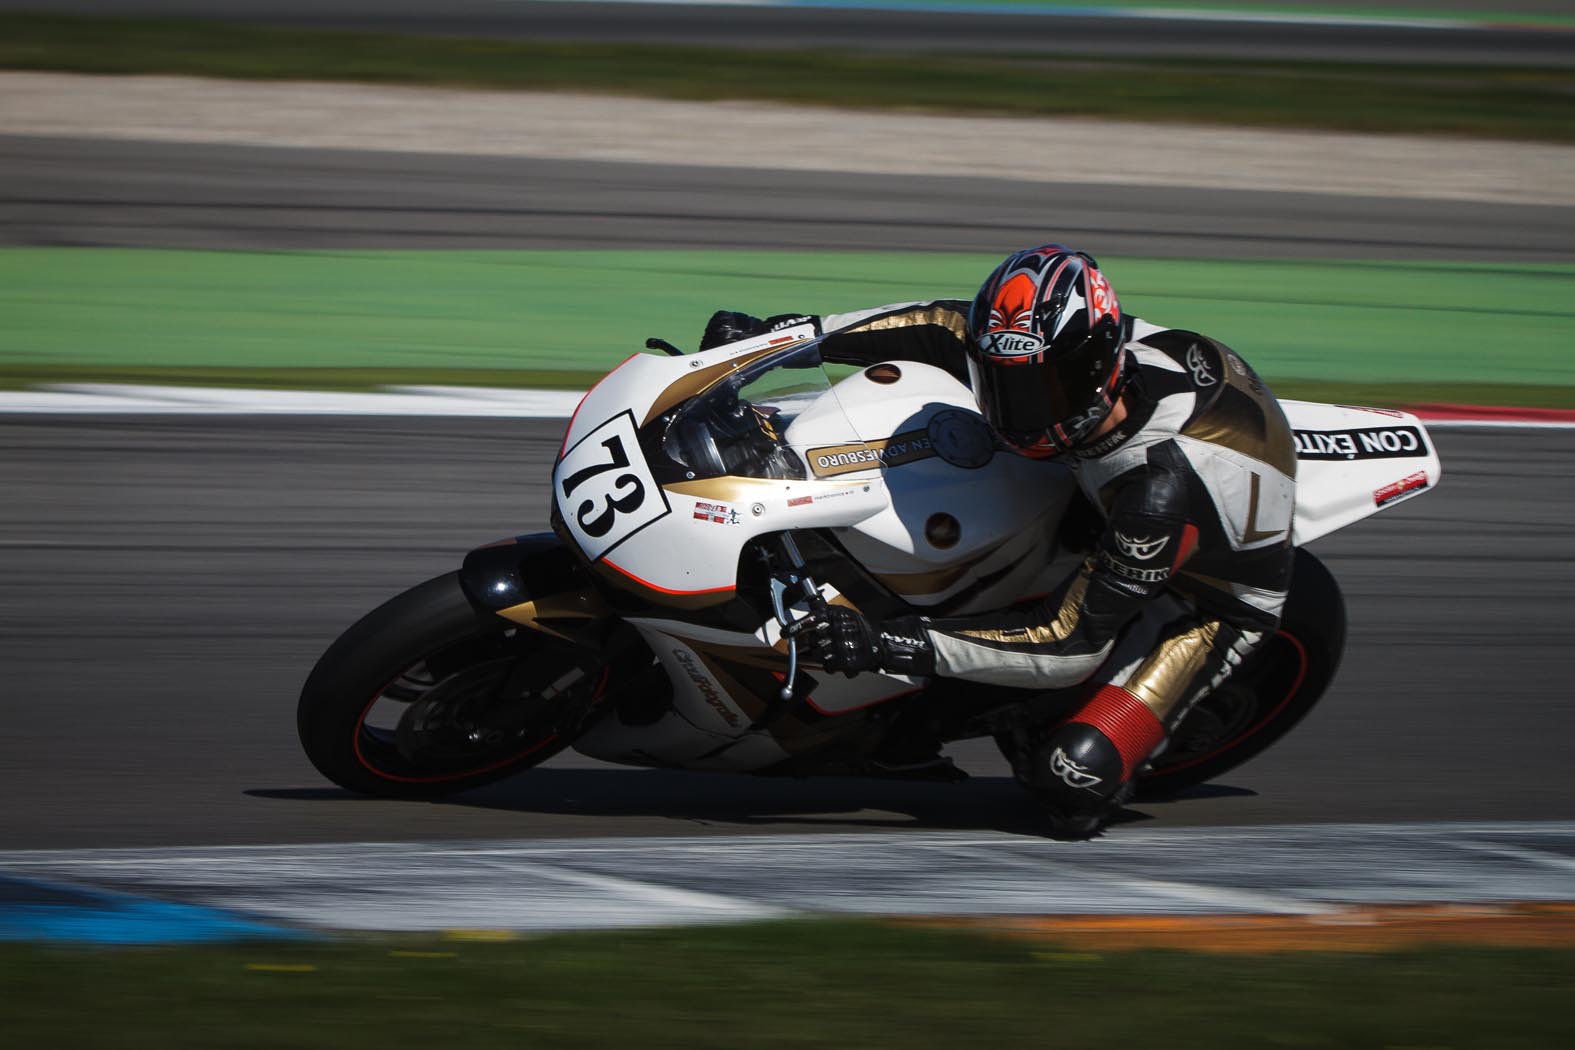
<point x="1045" y="349"/>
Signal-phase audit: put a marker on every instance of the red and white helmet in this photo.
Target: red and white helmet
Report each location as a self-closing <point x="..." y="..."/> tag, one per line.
<point x="1045" y="352"/>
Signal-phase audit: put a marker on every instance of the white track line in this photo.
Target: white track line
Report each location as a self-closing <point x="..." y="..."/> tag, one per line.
<point x="112" y="399"/>
<point x="623" y="882"/>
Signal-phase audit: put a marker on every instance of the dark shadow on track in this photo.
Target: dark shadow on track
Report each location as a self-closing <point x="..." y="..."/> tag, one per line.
<point x="978" y="804"/>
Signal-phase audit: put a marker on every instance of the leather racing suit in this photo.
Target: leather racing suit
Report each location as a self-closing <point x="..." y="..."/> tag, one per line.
<point x="1191" y="570"/>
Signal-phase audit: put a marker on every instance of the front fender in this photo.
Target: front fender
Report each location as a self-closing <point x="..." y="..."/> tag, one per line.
<point x="534" y="581"/>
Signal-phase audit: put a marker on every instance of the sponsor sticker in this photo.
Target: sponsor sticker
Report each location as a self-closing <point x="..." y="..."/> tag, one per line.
<point x="894" y="451"/>
<point x="1364" y="443"/>
<point x="1406" y="486"/>
<point x="716" y="513"/>
<point x="801" y="501"/>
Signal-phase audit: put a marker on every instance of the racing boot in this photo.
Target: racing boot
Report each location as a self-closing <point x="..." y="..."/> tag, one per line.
<point x="1083" y="771"/>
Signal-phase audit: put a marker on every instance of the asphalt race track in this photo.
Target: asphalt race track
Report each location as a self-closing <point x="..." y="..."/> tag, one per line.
<point x="169" y="582"/>
<point x="64" y="191"/>
<point x="166" y="584"/>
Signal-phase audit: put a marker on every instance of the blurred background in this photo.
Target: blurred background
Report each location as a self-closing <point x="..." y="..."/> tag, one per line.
<point x="1374" y="204"/>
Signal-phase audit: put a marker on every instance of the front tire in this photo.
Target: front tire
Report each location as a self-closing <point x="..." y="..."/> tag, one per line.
<point x="427" y="696"/>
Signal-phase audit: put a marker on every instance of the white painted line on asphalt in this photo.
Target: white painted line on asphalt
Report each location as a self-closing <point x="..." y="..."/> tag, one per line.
<point x="1531" y="856"/>
<point x="112" y="399"/>
<point x="127" y="399"/>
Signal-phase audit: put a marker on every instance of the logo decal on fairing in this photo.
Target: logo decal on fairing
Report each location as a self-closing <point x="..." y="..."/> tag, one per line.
<point x="1363" y="443"/>
<point x="706" y="687"/>
<point x="1070" y="772"/>
<point x="1407" y="486"/>
<point x="1141" y="547"/>
<point x="961" y="438"/>
<point x="1199" y="366"/>
<point x="832" y="460"/>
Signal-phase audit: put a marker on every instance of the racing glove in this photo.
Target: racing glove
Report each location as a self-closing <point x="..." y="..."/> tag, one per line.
<point x="841" y="639"/>
<point x="729" y="326"/>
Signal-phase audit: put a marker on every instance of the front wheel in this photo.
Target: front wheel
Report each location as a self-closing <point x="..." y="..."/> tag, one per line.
<point x="426" y="696"/>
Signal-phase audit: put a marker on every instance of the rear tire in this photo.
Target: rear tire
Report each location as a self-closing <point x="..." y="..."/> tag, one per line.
<point x="425" y="696"/>
<point x="1264" y="700"/>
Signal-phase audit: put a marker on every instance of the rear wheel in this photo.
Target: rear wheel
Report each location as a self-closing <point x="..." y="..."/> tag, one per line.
<point x="1265" y="699"/>
<point x="425" y="696"/>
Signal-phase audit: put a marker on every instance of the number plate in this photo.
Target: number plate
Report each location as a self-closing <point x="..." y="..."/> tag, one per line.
<point x="605" y="491"/>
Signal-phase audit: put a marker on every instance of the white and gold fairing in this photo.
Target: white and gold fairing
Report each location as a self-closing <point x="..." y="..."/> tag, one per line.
<point x="1354" y="462"/>
<point x="895" y="458"/>
<point x="965" y="523"/>
<point x="713" y="721"/>
<point x="681" y="542"/>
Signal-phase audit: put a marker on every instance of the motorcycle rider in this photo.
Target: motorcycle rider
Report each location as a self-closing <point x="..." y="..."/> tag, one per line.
<point x="1170" y="435"/>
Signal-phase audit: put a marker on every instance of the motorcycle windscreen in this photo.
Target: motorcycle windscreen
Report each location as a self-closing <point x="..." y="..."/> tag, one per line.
<point x="775" y="418"/>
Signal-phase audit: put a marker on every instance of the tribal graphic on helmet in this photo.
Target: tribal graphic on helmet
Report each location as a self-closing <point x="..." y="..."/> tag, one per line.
<point x="1045" y="337"/>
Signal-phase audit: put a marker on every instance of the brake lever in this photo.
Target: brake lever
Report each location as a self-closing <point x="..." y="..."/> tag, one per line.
<point x="779" y="606"/>
<point x="797" y="576"/>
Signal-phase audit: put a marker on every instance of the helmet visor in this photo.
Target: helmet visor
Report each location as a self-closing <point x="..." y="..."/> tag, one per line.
<point x="1020" y="401"/>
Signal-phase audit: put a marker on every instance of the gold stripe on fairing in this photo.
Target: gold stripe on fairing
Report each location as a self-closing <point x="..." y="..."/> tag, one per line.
<point x="954" y="321"/>
<point x="1057" y="630"/>
<point x="733" y="489"/>
<point x="1161" y="680"/>
<point x="573" y="605"/>
<point x="702" y="379"/>
<point x="689" y="601"/>
<point x="934" y="581"/>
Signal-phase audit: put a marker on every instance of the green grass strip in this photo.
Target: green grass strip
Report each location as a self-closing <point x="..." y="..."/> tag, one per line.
<point x="787" y="985"/>
<point x="1497" y="102"/>
<point x="351" y="320"/>
<point x="1420" y="14"/>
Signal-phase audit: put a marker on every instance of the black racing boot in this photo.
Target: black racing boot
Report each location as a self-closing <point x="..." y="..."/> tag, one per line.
<point x="1077" y="774"/>
<point x="1083" y="771"/>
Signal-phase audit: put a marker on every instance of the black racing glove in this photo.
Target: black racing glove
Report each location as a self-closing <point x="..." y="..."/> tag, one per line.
<point x="729" y="326"/>
<point x="841" y="639"/>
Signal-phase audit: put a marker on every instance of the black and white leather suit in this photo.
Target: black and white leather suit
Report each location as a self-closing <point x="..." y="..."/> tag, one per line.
<point x="1197" y="488"/>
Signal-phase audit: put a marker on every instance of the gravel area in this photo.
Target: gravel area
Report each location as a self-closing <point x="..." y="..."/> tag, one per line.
<point x="761" y="135"/>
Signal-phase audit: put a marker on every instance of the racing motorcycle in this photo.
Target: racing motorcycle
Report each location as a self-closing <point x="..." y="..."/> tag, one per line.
<point x="704" y="502"/>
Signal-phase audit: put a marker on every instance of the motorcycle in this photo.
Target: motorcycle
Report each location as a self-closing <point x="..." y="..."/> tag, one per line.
<point x="704" y="502"/>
